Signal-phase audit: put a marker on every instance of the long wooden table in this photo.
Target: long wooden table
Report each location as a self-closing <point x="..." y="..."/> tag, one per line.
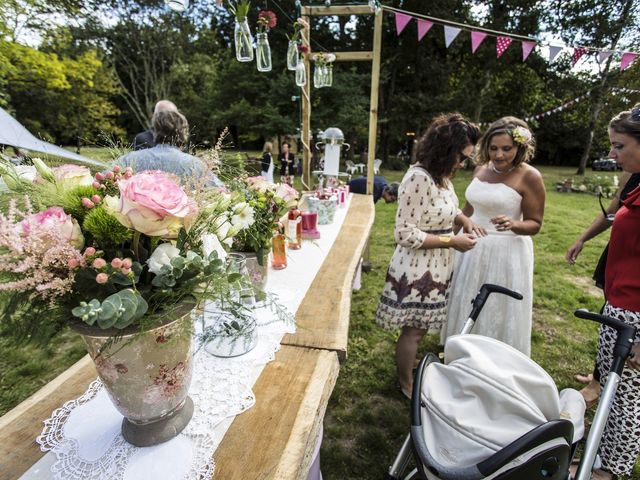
<point x="275" y="438"/>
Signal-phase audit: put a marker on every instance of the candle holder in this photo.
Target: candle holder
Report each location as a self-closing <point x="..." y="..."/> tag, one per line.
<point x="309" y="226"/>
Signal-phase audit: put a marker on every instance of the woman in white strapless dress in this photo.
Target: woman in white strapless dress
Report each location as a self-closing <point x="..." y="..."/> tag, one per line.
<point x="506" y="197"/>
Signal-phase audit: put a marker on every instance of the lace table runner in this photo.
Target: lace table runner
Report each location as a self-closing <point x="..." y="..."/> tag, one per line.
<point x="84" y="434"/>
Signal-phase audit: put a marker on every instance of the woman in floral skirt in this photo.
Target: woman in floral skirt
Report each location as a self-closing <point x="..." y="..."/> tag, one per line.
<point x="417" y="284"/>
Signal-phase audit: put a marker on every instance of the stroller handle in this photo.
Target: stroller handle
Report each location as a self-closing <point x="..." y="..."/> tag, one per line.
<point x="486" y="290"/>
<point x="624" y="340"/>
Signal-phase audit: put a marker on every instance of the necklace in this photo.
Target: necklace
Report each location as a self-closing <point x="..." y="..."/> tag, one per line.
<point x="493" y="168"/>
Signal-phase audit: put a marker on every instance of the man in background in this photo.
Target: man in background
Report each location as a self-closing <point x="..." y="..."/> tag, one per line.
<point x="145" y="139"/>
<point x="381" y="188"/>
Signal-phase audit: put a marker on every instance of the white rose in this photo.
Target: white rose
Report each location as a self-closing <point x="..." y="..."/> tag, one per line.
<point x="211" y="243"/>
<point x="162" y="256"/>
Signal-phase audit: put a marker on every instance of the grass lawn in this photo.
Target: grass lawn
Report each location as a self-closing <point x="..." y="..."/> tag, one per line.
<point x="367" y="418"/>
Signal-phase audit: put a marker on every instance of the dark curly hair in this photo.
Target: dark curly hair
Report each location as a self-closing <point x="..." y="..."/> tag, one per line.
<point x="440" y="146"/>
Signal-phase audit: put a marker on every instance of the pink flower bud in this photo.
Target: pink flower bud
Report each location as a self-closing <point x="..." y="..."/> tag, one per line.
<point x="96" y="185"/>
<point x="73" y="263"/>
<point x="99" y="176"/>
<point x="128" y="174"/>
<point x="98" y="263"/>
<point x="125" y="271"/>
<point x="110" y="175"/>
<point x="87" y="203"/>
<point x="96" y="199"/>
<point x="116" y="169"/>
<point x="116" y="262"/>
<point x="89" y="251"/>
<point x="126" y="263"/>
<point x="102" y="278"/>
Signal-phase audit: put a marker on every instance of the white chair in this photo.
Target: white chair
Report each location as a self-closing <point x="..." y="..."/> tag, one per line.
<point x="376" y="166"/>
<point x="351" y="167"/>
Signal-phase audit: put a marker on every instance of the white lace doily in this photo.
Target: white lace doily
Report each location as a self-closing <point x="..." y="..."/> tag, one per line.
<point x="84" y="434"/>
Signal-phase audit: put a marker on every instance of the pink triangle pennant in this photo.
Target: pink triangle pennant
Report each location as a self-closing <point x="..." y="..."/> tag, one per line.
<point x="402" y="19"/>
<point x="450" y="33"/>
<point x="423" y="27"/>
<point x="577" y="54"/>
<point x="527" y="48"/>
<point x="603" y="55"/>
<point x="502" y="43"/>
<point x="476" y="40"/>
<point x="627" y="59"/>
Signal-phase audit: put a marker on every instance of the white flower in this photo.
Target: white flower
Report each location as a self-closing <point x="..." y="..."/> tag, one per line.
<point x="222" y="229"/>
<point x="162" y="256"/>
<point x="243" y="216"/>
<point x="211" y="243"/>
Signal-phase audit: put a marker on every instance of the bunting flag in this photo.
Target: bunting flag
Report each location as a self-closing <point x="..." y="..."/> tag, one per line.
<point x="578" y="52"/>
<point x="402" y="19"/>
<point x="502" y="43"/>
<point x="450" y="33"/>
<point x="527" y="48"/>
<point x="423" y="27"/>
<point x="627" y="59"/>
<point x="602" y="56"/>
<point x="553" y="52"/>
<point x="476" y="40"/>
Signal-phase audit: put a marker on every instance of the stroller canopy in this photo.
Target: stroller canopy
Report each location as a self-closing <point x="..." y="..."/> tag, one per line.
<point x="486" y="395"/>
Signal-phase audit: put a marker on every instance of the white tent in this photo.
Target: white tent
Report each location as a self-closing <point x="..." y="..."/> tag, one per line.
<point x="14" y="134"/>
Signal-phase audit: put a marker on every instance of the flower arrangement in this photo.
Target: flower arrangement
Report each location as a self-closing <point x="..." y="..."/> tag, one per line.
<point x="239" y="9"/>
<point x="266" y="21"/>
<point x="269" y="203"/>
<point x="298" y="26"/>
<point x="113" y="250"/>
<point x="521" y="135"/>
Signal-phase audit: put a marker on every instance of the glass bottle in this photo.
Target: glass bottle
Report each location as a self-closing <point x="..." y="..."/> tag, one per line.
<point x="243" y="41"/>
<point x="318" y="76"/>
<point x="293" y="56"/>
<point x="294" y="229"/>
<point x="328" y="75"/>
<point x="278" y="250"/>
<point x="301" y="74"/>
<point x="263" y="53"/>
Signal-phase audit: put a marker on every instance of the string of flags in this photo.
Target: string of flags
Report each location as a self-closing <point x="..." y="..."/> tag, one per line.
<point x="570" y="103"/>
<point x="503" y="39"/>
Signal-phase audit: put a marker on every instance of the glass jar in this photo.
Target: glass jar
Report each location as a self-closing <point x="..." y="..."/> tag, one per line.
<point x="328" y="75"/>
<point x="293" y="56"/>
<point x="242" y="292"/>
<point x="263" y="53"/>
<point x="318" y="76"/>
<point x="301" y="74"/>
<point x="243" y="41"/>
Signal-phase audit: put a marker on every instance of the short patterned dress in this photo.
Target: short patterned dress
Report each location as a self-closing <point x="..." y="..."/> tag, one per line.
<point x="418" y="280"/>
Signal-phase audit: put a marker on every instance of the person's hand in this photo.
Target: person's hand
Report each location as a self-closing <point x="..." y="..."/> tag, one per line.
<point x="634" y="360"/>
<point x="463" y="242"/>
<point x="574" y="250"/>
<point x="503" y="223"/>
<point x="477" y="230"/>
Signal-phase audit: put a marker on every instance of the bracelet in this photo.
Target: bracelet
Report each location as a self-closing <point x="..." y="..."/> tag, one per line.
<point x="444" y="238"/>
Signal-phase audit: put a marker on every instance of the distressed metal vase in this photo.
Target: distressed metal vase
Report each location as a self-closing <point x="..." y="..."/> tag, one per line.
<point x="147" y="374"/>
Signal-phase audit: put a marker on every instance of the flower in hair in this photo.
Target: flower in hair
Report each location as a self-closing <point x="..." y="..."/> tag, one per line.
<point x="521" y="135"/>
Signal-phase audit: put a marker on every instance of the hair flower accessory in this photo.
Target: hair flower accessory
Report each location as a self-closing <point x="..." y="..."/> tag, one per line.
<point x="521" y="135"/>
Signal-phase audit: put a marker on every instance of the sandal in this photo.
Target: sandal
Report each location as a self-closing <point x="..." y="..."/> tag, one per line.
<point x="584" y="378"/>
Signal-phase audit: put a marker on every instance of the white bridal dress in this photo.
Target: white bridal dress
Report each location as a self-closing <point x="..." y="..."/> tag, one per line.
<point x="503" y="258"/>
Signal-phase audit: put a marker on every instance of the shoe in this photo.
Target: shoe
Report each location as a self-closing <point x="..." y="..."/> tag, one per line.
<point x="584" y="378"/>
<point x="590" y="397"/>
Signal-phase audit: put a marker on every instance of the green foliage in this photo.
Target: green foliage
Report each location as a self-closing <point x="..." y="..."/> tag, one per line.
<point x="71" y="200"/>
<point x="105" y="228"/>
<point x="116" y="311"/>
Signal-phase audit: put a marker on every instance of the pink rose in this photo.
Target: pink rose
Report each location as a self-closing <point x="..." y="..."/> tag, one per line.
<point x="55" y="221"/>
<point x="258" y="183"/>
<point x="70" y="176"/>
<point x="287" y="193"/>
<point x="152" y="203"/>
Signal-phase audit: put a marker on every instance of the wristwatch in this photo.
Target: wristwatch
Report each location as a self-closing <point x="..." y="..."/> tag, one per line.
<point x="444" y="238"/>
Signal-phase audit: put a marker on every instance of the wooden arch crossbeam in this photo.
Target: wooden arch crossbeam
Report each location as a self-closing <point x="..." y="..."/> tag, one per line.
<point x="372" y="56"/>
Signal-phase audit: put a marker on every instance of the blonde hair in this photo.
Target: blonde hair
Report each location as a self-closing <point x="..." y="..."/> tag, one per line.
<point x="268" y="146"/>
<point x="506" y="125"/>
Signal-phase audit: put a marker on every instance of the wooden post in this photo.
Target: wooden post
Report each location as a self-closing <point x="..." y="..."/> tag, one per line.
<point x="305" y="98"/>
<point x="373" y="112"/>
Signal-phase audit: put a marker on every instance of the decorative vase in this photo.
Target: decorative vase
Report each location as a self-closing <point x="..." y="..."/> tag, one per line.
<point x="328" y="75"/>
<point x="326" y="209"/>
<point x="318" y="76"/>
<point x="146" y="374"/>
<point x="263" y="53"/>
<point x="258" y="269"/>
<point x="238" y="264"/>
<point x="301" y="74"/>
<point x="243" y="41"/>
<point x="293" y="56"/>
<point x="227" y="336"/>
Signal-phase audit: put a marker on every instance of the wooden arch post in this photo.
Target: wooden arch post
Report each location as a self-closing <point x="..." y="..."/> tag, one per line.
<point x="373" y="56"/>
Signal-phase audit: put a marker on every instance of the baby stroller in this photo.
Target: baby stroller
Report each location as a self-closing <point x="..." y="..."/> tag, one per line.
<point x="451" y="431"/>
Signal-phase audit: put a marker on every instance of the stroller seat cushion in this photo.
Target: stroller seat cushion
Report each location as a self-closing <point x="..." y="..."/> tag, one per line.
<point x="485" y="396"/>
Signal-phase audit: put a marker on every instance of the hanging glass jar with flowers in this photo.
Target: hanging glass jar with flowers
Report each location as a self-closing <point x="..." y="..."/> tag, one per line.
<point x="293" y="55"/>
<point x="328" y="79"/>
<point x="266" y="20"/>
<point x="322" y="77"/>
<point x="242" y="33"/>
<point x="301" y="69"/>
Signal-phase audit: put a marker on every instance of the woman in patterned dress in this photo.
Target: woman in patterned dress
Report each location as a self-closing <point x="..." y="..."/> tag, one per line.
<point x="620" y="444"/>
<point x="417" y="283"/>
